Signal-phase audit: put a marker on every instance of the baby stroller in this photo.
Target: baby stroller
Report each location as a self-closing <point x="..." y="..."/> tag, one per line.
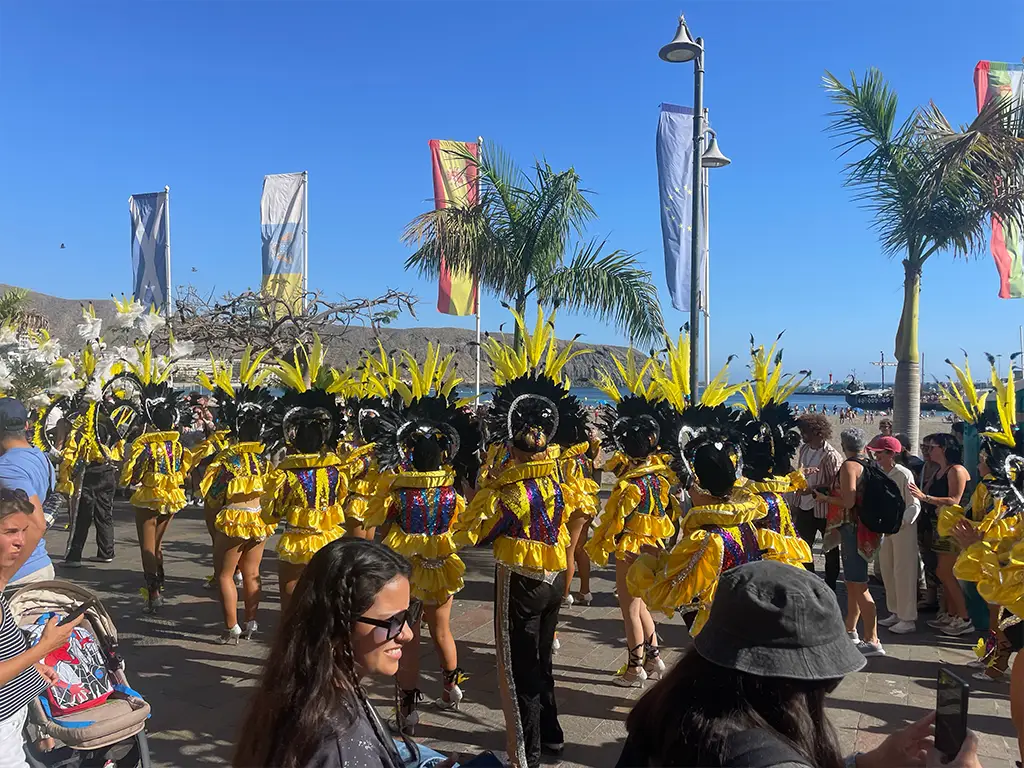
<point x="105" y="735"/>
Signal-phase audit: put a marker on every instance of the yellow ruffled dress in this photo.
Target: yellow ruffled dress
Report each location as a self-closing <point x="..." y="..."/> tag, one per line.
<point x="640" y="511"/>
<point x="232" y="486"/>
<point x="157" y="462"/>
<point x="576" y="470"/>
<point x="713" y="539"/>
<point x="1000" y="533"/>
<point x="308" y="492"/>
<point x="363" y="482"/>
<point x="779" y="519"/>
<point x="520" y="510"/>
<point x="421" y="510"/>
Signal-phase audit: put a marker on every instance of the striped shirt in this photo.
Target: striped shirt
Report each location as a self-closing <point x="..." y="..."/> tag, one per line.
<point x="27" y="685"/>
<point x="827" y="461"/>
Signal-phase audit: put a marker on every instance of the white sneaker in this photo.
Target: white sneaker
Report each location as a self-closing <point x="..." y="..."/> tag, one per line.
<point x="940" y="621"/>
<point x="958" y="627"/>
<point x="890" y="620"/>
<point x="556" y="645"/>
<point x="854" y="637"/>
<point x="903" y="628"/>
<point x="870" y="649"/>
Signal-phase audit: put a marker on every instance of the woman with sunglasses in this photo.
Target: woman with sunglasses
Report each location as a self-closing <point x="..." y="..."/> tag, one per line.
<point x="946" y="489"/>
<point x="350" y="617"/>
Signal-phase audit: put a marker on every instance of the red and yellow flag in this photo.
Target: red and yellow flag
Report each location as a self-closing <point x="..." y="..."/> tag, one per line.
<point x="455" y="181"/>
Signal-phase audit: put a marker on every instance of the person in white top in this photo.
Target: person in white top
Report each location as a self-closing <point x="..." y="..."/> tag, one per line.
<point x="899" y="550"/>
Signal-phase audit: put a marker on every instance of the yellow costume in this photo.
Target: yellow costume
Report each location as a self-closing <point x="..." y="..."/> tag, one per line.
<point x="232" y="486"/>
<point x="640" y="511"/>
<point x="307" y="491"/>
<point x="577" y="474"/>
<point x="364" y="481"/>
<point x="156" y="462"/>
<point x="421" y="510"/>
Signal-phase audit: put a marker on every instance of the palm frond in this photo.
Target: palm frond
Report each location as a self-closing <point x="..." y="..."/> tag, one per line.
<point x="610" y="287"/>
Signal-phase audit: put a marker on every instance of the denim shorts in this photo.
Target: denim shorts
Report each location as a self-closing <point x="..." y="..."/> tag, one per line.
<point x="855" y="567"/>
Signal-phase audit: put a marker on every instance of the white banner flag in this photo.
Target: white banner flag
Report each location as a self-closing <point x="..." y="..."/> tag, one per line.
<point x="283" y="224"/>
<point x="151" y="248"/>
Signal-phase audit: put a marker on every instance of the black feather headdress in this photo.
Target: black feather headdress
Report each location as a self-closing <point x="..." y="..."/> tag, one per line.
<point x="770" y="442"/>
<point x="708" y="451"/>
<point x="426" y="435"/>
<point x="307" y="422"/>
<point x="246" y="413"/>
<point x="638" y="427"/>
<point x="533" y="411"/>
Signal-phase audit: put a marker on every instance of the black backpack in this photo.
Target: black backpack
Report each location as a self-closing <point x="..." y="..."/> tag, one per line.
<point x="881" y="503"/>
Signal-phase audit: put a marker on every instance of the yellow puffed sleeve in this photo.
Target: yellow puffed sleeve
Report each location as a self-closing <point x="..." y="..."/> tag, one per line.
<point x="273" y="500"/>
<point x="781" y="548"/>
<point x="479" y="517"/>
<point x="948" y="518"/>
<point x="128" y="468"/>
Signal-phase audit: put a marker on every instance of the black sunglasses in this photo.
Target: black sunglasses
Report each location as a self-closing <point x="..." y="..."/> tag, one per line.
<point x="396" y="623"/>
<point x="17" y="494"/>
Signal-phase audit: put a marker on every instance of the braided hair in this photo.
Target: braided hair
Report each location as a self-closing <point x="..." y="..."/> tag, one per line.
<point x="310" y="686"/>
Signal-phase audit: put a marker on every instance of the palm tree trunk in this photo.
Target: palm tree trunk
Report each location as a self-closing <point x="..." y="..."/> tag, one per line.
<point x="907" y="392"/>
<point x="519" y="341"/>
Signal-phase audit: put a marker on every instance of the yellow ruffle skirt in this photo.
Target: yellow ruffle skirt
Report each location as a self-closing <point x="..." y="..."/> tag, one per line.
<point x="298" y="547"/>
<point x="242" y="523"/>
<point x="162" y="494"/>
<point x="435" y="581"/>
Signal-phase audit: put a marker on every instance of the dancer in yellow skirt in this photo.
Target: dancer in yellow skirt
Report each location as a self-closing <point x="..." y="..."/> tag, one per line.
<point x="231" y="488"/>
<point x="520" y="509"/>
<point x="770" y="441"/>
<point x="719" y="532"/>
<point x="426" y="445"/>
<point x="155" y="463"/>
<point x="307" y="489"/>
<point x="641" y="510"/>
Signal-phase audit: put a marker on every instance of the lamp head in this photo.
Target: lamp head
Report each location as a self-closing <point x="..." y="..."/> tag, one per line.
<point x="713" y="157"/>
<point x="682" y="48"/>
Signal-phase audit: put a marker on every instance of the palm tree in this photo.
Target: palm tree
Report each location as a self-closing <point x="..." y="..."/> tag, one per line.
<point x="931" y="188"/>
<point x="13" y="307"/>
<point x="516" y="237"/>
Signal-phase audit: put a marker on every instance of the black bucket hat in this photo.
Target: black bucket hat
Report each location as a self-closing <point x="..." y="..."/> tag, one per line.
<point x="775" y="620"/>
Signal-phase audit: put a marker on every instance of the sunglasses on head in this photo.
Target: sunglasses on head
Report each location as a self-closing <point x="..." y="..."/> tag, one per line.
<point x="17" y="494"/>
<point x="396" y="623"/>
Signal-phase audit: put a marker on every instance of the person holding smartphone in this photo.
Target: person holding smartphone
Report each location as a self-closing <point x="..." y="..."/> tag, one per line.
<point x="23" y="676"/>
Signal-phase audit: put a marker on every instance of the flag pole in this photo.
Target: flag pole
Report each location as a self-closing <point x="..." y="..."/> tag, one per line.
<point x="305" y="237"/>
<point x="480" y="156"/>
<point x="167" y="251"/>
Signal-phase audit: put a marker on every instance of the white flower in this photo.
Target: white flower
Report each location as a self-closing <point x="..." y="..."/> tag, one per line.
<point x="180" y="349"/>
<point x="149" y="322"/>
<point x="127" y="313"/>
<point x="63" y="368"/>
<point x="90" y="327"/>
<point x="6" y="380"/>
<point x="93" y="391"/>
<point x="47" y="352"/>
<point x="38" y="401"/>
<point x="129" y="354"/>
<point x="8" y="336"/>
<point x="66" y="388"/>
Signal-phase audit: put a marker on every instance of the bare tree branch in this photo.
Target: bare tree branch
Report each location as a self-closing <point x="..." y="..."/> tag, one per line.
<point x="225" y="325"/>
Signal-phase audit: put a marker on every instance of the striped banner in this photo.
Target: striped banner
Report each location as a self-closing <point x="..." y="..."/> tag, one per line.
<point x="992" y="80"/>
<point x="455" y="181"/>
<point x="283" y="227"/>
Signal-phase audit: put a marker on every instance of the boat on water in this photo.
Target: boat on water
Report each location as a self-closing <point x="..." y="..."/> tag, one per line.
<point x="881" y="400"/>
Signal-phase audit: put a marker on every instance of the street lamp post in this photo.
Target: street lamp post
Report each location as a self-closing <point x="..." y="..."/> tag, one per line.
<point x="682" y="49"/>
<point x="712" y="158"/>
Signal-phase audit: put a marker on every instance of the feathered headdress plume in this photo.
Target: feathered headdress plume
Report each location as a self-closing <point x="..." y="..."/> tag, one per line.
<point x="307" y="369"/>
<point x="634" y="378"/>
<point x="767" y="384"/>
<point x="539" y="354"/>
<point x="671" y="378"/>
<point x="961" y="397"/>
<point x="436" y="375"/>
<point x="1006" y="408"/>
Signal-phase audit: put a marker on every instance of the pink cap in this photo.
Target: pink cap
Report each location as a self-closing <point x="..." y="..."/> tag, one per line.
<point x="885" y="443"/>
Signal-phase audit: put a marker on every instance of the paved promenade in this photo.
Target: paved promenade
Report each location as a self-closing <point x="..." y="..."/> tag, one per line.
<point x="198" y="689"/>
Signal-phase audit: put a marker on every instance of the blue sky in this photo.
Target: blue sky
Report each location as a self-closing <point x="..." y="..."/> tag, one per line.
<point x="103" y="100"/>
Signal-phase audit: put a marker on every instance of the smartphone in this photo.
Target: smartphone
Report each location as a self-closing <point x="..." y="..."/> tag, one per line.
<point x="824" y="490"/>
<point x="950" y="713"/>
<point x="78" y="612"/>
<point x="483" y="760"/>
